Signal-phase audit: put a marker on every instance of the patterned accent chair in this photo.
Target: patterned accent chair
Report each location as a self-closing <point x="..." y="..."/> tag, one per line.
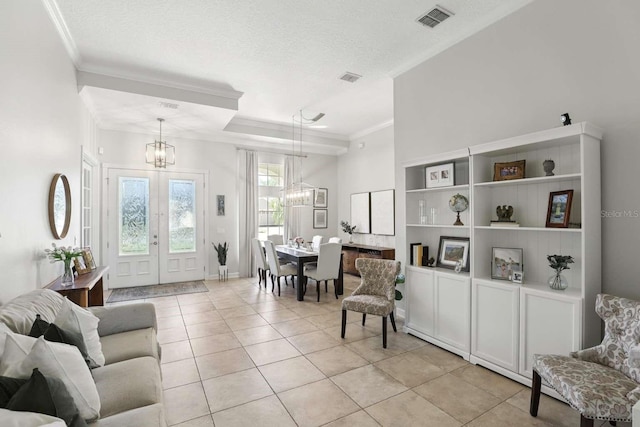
<point x="601" y="382"/>
<point x="376" y="293"/>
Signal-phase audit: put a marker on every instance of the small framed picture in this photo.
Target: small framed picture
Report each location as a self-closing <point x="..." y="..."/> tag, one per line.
<point x="440" y="175"/>
<point x="320" y="200"/>
<point x="319" y="218"/>
<point x="453" y="250"/>
<point x="518" y="277"/>
<point x="80" y="266"/>
<point x="509" y="170"/>
<point x="220" y="204"/>
<point x="559" y="208"/>
<point x="504" y="262"/>
<point x="87" y="256"/>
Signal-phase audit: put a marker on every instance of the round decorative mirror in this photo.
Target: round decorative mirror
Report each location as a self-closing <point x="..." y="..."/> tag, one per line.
<point x="59" y="206"/>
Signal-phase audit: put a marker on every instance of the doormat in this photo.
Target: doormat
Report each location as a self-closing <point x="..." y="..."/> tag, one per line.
<point x="155" y="291"/>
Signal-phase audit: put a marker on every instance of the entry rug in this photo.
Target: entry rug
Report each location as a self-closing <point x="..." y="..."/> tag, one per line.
<point x="155" y="291"/>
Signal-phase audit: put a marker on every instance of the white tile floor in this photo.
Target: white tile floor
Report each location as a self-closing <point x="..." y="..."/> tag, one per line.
<point x="239" y="355"/>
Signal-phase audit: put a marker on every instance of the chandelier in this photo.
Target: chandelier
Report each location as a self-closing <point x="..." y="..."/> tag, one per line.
<point x="299" y="193"/>
<point x="159" y="153"/>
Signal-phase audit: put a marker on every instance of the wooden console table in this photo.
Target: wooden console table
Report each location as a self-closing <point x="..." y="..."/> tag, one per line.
<point x="353" y="251"/>
<point x="86" y="290"/>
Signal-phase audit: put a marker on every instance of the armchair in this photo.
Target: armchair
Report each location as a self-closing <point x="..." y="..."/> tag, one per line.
<point x="601" y="382"/>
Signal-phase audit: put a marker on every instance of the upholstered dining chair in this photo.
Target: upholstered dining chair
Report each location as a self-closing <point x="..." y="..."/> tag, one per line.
<point x="327" y="268"/>
<point x="277" y="239"/>
<point x="276" y="269"/>
<point x="376" y="293"/>
<point x="601" y="382"/>
<point x="316" y="242"/>
<point x="335" y="240"/>
<point x="261" y="261"/>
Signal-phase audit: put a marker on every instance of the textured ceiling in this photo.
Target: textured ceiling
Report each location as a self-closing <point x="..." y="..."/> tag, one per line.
<point x="283" y="55"/>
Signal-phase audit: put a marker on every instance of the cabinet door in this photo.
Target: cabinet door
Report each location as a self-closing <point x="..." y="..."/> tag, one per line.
<point x="349" y="260"/>
<point x="419" y="286"/>
<point x="549" y="324"/>
<point x="495" y="323"/>
<point x="452" y="299"/>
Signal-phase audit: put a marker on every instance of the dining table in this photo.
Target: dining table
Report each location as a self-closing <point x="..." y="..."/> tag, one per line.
<point x="301" y="256"/>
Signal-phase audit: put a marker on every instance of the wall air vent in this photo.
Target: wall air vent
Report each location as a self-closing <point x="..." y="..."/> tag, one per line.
<point x="168" y="105"/>
<point x="435" y="16"/>
<point x="350" y="77"/>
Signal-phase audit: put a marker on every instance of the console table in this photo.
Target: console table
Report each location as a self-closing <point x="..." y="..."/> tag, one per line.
<point x="353" y="251"/>
<point x="86" y="290"/>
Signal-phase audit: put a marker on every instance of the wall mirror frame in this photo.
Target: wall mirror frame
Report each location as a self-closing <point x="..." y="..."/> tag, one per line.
<point x="59" y="206"/>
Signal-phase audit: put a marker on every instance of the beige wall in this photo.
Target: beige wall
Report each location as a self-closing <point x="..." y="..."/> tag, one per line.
<point x="518" y="76"/>
<point x="42" y="127"/>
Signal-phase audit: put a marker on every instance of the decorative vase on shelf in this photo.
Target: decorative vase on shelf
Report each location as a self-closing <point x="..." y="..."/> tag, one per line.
<point x="67" y="276"/>
<point x="350" y="238"/>
<point x="558" y="282"/>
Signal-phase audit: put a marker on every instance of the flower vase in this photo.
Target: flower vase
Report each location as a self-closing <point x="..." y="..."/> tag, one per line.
<point x="558" y="282"/>
<point x="67" y="276"/>
<point x="350" y="238"/>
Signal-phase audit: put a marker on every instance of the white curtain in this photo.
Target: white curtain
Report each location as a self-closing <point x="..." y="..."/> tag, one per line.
<point x="291" y="215"/>
<point x="248" y="209"/>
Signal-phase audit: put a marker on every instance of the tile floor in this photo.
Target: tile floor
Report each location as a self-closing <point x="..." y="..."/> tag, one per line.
<point x="240" y="355"/>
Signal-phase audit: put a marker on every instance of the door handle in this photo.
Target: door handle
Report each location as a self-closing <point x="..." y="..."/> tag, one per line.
<point x="154" y="243"/>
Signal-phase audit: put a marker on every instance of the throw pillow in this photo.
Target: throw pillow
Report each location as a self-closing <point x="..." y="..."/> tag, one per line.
<point x="16" y="348"/>
<point x="61" y="361"/>
<point x="28" y="419"/>
<point x="9" y="387"/>
<point x="75" y="318"/>
<point x="54" y="333"/>
<point x="47" y="396"/>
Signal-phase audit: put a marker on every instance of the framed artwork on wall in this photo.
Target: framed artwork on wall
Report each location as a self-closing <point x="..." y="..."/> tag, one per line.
<point x="320" y="199"/>
<point x="319" y="218"/>
<point x="220" y="204"/>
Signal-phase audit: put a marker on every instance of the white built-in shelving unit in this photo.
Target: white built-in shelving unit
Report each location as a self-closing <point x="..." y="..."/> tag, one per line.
<point x="497" y="323"/>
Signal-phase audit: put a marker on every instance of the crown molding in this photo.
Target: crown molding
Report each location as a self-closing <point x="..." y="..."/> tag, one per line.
<point x="372" y="129"/>
<point x="63" y="31"/>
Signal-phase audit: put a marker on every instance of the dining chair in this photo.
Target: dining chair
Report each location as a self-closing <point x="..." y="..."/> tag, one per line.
<point x="327" y="268"/>
<point x="277" y="239"/>
<point x="261" y="261"/>
<point x="316" y="242"/>
<point x="335" y="240"/>
<point x="276" y="269"/>
<point x="376" y="293"/>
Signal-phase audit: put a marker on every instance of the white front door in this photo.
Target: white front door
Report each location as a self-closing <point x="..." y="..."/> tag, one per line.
<point x="155" y="224"/>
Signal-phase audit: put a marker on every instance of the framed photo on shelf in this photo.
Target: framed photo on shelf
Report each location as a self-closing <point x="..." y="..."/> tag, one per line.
<point x="559" y="208"/>
<point x="440" y="175"/>
<point x="509" y="170"/>
<point x="320" y="199"/>
<point x="505" y="262"/>
<point x="518" y="277"/>
<point x="319" y="218"/>
<point x="87" y="256"/>
<point x="80" y="266"/>
<point x="453" y="250"/>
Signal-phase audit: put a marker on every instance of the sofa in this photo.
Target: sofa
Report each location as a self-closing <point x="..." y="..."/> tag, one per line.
<point x="128" y="379"/>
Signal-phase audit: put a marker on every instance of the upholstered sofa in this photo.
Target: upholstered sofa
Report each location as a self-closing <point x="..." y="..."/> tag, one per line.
<point x="128" y="382"/>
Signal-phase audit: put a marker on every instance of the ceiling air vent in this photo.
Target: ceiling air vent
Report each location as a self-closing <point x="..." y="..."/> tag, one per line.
<point x="350" y="77"/>
<point x="168" y="105"/>
<point x="434" y="16"/>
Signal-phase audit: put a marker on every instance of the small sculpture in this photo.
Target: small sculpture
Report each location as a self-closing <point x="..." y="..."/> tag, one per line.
<point x="548" y="166"/>
<point x="504" y="213"/>
<point x="430" y="262"/>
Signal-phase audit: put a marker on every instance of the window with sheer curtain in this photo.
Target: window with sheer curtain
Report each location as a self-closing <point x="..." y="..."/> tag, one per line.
<point x="270" y="208"/>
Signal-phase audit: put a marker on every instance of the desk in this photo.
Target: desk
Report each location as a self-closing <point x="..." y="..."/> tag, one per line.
<point x="301" y="257"/>
<point x="86" y="290"/>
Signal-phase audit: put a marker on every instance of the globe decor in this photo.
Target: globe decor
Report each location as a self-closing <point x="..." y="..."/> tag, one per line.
<point x="458" y="203"/>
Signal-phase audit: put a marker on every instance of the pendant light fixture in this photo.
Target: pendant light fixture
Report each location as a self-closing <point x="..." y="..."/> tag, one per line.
<point x="299" y="193"/>
<point x="159" y="153"/>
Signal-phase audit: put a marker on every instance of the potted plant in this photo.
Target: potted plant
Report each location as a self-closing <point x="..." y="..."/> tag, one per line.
<point x="222" y="250"/>
<point x="348" y="229"/>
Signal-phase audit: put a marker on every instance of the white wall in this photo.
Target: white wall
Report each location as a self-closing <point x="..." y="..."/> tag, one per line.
<point x="361" y="170"/>
<point x="518" y="76"/>
<point x="42" y="127"/>
<point x="220" y="160"/>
